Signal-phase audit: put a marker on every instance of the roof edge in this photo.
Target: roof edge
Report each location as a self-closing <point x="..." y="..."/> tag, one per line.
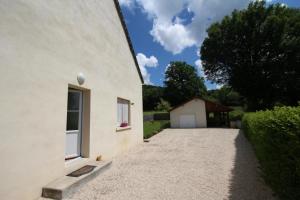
<point x="199" y="98"/>
<point x="121" y="17"/>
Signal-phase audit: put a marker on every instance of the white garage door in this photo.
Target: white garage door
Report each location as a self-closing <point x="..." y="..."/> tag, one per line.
<point x="187" y="121"/>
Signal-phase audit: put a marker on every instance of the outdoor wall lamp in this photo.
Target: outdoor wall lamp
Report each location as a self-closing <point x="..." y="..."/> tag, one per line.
<point x="80" y="78"/>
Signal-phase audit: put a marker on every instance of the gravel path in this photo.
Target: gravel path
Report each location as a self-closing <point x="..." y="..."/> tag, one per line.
<point x="183" y="164"/>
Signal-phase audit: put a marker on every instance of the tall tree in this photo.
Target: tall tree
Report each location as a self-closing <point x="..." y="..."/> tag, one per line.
<point x="182" y="83"/>
<point x="226" y="96"/>
<point x="257" y="52"/>
<point x="152" y="96"/>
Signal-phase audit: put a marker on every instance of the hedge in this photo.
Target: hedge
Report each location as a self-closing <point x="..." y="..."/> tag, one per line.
<point x="275" y="136"/>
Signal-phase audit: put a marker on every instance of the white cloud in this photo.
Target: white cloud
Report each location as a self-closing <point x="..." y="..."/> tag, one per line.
<point x="283" y="5"/>
<point x="219" y="86"/>
<point x="163" y="10"/>
<point x="198" y="63"/>
<point x="168" y="29"/>
<point x="173" y="37"/>
<point x="198" y="52"/>
<point x="127" y="3"/>
<point x="208" y="12"/>
<point x="146" y="62"/>
<point x="167" y="67"/>
<point x="178" y="20"/>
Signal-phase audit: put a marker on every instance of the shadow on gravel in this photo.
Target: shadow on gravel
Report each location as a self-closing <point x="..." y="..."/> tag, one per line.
<point x="246" y="182"/>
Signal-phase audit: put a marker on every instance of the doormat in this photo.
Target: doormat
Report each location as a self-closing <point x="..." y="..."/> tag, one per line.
<point x="83" y="170"/>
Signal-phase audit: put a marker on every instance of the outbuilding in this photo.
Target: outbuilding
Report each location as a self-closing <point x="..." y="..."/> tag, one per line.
<point x="199" y="113"/>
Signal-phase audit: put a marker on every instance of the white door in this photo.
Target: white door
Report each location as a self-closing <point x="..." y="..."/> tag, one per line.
<point x="187" y="121"/>
<point x="74" y="118"/>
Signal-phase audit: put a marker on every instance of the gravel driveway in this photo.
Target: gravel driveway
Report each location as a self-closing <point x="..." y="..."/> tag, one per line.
<point x="183" y="164"/>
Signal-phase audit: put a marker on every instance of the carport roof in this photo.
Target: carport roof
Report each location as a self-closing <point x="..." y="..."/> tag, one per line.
<point x="215" y="107"/>
<point x="209" y="106"/>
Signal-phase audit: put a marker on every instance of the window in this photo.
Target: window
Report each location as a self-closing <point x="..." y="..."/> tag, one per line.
<point x="123" y="113"/>
<point x="74" y="110"/>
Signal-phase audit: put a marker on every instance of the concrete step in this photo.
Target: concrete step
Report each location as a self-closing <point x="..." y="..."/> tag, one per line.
<point x="63" y="186"/>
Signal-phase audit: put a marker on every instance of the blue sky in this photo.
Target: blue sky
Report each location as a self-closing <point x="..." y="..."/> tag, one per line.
<point x="173" y="30"/>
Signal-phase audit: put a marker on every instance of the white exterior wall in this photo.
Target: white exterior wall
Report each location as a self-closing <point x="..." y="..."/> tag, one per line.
<point x="195" y="107"/>
<point x="44" y="44"/>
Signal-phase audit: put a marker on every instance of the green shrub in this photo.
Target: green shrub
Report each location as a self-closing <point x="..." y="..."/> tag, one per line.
<point x="236" y="115"/>
<point x="275" y="136"/>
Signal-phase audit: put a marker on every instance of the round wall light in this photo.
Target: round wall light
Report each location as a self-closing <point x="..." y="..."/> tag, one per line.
<point x="80" y="78"/>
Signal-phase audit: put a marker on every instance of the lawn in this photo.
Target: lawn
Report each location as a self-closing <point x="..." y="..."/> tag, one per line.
<point x="151" y="112"/>
<point x="153" y="127"/>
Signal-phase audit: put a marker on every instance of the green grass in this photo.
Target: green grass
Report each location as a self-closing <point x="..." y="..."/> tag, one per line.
<point x="153" y="127"/>
<point x="153" y="112"/>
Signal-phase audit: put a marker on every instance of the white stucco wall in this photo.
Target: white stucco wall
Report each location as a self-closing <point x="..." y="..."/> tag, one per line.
<point x="43" y="46"/>
<point x="195" y="107"/>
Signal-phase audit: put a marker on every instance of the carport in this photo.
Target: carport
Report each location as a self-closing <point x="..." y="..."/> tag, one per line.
<point x="217" y="115"/>
<point x="199" y="113"/>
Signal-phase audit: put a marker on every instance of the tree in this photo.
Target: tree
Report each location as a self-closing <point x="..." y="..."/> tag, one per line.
<point x="151" y="96"/>
<point x="226" y="96"/>
<point x="163" y="106"/>
<point x="182" y="83"/>
<point x="256" y="51"/>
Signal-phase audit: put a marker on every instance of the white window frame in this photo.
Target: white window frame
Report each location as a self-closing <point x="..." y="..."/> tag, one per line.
<point x="121" y="102"/>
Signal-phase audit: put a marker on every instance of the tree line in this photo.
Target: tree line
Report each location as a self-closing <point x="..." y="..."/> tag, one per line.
<point x="182" y="83"/>
<point x="254" y="53"/>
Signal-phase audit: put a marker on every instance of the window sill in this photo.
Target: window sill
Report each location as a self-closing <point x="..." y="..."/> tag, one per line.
<point x="118" y="129"/>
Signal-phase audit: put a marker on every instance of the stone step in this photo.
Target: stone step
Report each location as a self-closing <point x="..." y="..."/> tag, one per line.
<point x="63" y="186"/>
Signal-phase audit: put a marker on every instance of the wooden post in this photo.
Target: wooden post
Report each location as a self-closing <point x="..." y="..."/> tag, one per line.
<point x="228" y="123"/>
<point x="222" y="118"/>
<point x="207" y="119"/>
